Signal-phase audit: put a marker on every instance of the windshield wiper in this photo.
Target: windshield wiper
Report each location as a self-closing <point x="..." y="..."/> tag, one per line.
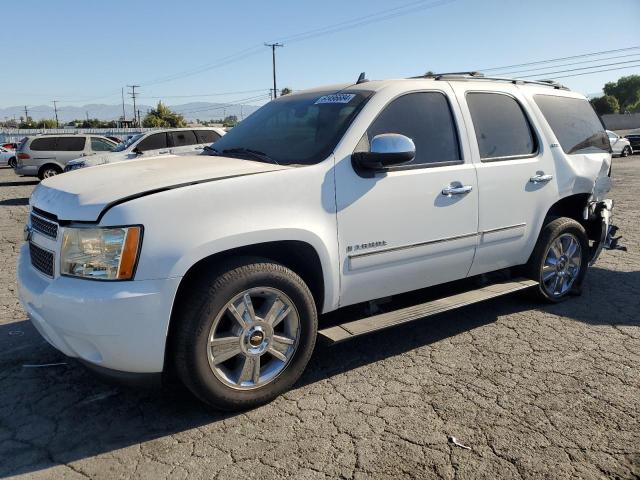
<point x="255" y="154"/>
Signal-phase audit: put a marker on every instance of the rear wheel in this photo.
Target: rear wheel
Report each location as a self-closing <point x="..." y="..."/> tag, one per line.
<point x="245" y="334"/>
<point x="559" y="260"/>
<point x="12" y="162"/>
<point x="49" y="171"/>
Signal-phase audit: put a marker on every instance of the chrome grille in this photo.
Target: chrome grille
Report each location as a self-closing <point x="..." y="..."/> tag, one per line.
<point x="45" y="227"/>
<point x="41" y="259"/>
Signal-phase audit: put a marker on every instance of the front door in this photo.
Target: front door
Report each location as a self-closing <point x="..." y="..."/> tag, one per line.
<point x="397" y="230"/>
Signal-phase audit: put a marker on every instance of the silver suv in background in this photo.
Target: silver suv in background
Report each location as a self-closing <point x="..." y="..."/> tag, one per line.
<point x="44" y="156"/>
<point x="170" y="141"/>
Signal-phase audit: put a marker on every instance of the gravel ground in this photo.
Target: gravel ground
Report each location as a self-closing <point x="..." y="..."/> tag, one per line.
<point x="536" y="391"/>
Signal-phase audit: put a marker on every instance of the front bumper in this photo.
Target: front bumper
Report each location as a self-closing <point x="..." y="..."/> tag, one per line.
<point x="602" y="211"/>
<point x="113" y="325"/>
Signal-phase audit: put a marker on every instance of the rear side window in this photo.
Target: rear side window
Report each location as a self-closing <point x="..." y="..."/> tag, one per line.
<point x="153" y="142"/>
<point x="182" y="138"/>
<point x="502" y="129"/>
<point x="425" y="118"/>
<point x="206" y="136"/>
<point x="43" y="144"/>
<point x="574" y="123"/>
<point x="70" y="144"/>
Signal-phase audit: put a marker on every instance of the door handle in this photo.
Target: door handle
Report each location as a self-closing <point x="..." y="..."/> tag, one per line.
<point x="456" y="190"/>
<point x="163" y="152"/>
<point x="540" y="178"/>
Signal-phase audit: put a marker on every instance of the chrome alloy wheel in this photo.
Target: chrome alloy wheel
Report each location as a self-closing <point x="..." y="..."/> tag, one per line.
<point x="49" y="172"/>
<point x="253" y="338"/>
<point x="561" y="265"/>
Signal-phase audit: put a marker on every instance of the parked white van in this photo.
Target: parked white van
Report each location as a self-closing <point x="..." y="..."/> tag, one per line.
<point x="170" y="141"/>
<point x="223" y="269"/>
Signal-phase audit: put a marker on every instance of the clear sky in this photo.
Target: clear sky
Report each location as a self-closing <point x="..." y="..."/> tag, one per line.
<point x="84" y="51"/>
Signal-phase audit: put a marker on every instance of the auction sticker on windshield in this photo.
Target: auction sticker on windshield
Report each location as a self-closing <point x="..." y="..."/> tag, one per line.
<point x="335" y="98"/>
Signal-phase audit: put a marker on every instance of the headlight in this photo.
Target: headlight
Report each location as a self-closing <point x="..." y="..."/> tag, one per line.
<point x="100" y="253"/>
<point x="74" y="166"/>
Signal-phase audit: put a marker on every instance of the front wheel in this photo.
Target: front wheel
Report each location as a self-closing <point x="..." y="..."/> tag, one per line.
<point x="49" y="171"/>
<point x="559" y="260"/>
<point x="245" y="334"/>
<point x="626" y="151"/>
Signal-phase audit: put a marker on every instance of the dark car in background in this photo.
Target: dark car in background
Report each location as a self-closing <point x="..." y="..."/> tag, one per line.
<point x="634" y="140"/>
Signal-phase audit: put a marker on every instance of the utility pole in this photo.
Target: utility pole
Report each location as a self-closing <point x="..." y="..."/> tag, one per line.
<point x="55" y="109"/>
<point x="26" y="114"/>
<point x="273" y="47"/>
<point x="139" y="122"/>
<point x="133" y="96"/>
<point x="87" y="113"/>
<point x="124" y="115"/>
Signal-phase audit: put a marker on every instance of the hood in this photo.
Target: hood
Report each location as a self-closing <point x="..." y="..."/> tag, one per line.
<point x="83" y="194"/>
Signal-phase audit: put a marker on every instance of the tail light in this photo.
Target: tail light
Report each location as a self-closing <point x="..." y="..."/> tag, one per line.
<point x="23" y="156"/>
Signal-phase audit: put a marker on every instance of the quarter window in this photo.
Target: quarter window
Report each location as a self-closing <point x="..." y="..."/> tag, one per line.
<point x="99" y="145"/>
<point x="43" y="144"/>
<point x="207" y="136"/>
<point x="502" y="129"/>
<point x="574" y="123"/>
<point x="425" y="118"/>
<point x="153" y="142"/>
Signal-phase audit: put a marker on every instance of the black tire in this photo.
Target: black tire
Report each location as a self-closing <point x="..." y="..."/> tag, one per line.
<point x="551" y="231"/>
<point x="12" y="162"/>
<point x="49" y="170"/>
<point x="208" y="296"/>
<point x="626" y="151"/>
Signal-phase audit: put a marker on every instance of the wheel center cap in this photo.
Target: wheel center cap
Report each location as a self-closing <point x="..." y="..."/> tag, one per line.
<point x="256" y="338"/>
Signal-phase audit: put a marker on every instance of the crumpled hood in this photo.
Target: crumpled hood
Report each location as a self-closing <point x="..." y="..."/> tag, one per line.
<point x="83" y="194"/>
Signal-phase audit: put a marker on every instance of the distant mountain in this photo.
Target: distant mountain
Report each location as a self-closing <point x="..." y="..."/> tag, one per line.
<point x="191" y="111"/>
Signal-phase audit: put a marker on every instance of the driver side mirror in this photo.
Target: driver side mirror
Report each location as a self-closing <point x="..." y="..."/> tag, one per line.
<point x="387" y="150"/>
<point x="137" y="151"/>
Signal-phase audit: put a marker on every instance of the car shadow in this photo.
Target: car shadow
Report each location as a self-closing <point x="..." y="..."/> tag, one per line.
<point x="54" y="411"/>
<point x="19" y="184"/>
<point x="13" y="202"/>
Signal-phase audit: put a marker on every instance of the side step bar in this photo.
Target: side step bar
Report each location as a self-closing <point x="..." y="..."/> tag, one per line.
<point x="356" y="328"/>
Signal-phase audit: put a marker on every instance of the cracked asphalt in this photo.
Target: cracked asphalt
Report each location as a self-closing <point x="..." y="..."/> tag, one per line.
<point x="536" y="391"/>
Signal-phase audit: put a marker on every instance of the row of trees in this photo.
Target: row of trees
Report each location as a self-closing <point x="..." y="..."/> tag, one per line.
<point x="622" y="96"/>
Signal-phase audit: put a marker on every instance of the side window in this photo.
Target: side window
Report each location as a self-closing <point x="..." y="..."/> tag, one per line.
<point x="70" y="144"/>
<point x="153" y="142"/>
<point x="43" y="144"/>
<point x="206" y="136"/>
<point x="99" y="145"/>
<point x="426" y="119"/>
<point x="501" y="127"/>
<point x="182" y="138"/>
<point x="574" y="123"/>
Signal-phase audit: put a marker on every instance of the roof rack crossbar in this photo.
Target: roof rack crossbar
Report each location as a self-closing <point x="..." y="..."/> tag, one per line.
<point x="481" y="76"/>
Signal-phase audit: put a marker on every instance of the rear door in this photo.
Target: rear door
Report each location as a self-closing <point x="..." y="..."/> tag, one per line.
<point x="101" y="145"/>
<point x="182" y="141"/>
<point x="70" y="148"/>
<point x="154" y="144"/>
<point x="516" y="181"/>
<point x="206" y="138"/>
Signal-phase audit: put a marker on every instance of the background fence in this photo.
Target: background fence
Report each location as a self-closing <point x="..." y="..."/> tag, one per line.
<point x="16" y="134"/>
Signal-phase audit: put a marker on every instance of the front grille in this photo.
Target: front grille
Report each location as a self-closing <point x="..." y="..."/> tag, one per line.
<point x="41" y="259"/>
<point x="46" y="227"/>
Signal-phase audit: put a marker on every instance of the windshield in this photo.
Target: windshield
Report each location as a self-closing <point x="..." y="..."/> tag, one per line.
<point x="128" y="142"/>
<point x="301" y="128"/>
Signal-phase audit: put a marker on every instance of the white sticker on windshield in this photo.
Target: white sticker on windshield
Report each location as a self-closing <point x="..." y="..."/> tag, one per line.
<point x="335" y="98"/>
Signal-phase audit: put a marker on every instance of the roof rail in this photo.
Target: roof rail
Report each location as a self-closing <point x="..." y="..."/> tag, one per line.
<point x="481" y="76"/>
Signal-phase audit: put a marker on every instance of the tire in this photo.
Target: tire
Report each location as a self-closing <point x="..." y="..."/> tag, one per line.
<point x="205" y="312"/>
<point x="12" y="162"/>
<point x="48" y="171"/>
<point x="541" y="266"/>
<point x="626" y="151"/>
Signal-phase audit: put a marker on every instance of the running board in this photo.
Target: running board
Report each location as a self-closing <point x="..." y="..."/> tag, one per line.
<point x="349" y="330"/>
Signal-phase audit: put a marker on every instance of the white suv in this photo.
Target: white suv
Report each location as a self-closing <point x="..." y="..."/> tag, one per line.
<point x="322" y="199"/>
<point x="157" y="142"/>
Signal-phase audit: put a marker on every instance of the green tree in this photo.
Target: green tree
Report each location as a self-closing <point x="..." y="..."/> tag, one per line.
<point x="626" y="90"/>
<point x="230" y="121"/>
<point x="47" y="123"/>
<point x="163" y="116"/>
<point x="285" y="91"/>
<point x="605" y="104"/>
<point x="28" y="123"/>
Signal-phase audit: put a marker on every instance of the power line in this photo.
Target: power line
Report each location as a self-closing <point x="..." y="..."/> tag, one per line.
<point x="597" y="71"/>
<point x="552" y="60"/>
<point x="577" y="69"/>
<point x="569" y="64"/>
<point x="218" y="94"/>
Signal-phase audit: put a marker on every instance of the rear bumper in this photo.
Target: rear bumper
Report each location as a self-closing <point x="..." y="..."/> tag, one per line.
<point x="118" y="326"/>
